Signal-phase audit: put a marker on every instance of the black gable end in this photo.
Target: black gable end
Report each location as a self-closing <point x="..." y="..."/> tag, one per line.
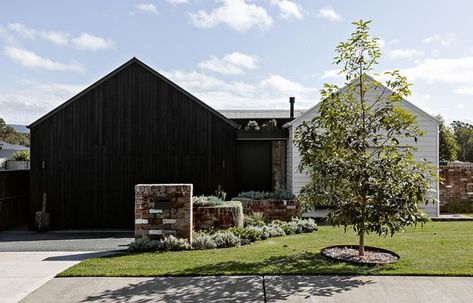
<point x="133" y="126"/>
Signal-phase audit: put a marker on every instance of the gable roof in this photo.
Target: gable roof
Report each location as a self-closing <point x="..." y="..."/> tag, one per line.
<point x="404" y="101"/>
<point x="116" y="71"/>
<point x="5" y="145"/>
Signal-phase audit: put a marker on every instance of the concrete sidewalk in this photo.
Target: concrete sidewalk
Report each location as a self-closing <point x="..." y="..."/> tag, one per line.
<point x="257" y="289"/>
<point x="23" y="272"/>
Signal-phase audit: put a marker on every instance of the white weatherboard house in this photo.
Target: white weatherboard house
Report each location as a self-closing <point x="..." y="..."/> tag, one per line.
<point x="427" y="146"/>
<point x="267" y="159"/>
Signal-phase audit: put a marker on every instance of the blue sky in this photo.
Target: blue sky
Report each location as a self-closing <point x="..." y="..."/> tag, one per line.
<point x="232" y="54"/>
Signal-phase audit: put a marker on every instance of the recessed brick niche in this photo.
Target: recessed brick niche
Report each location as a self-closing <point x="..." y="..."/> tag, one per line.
<point x="163" y="209"/>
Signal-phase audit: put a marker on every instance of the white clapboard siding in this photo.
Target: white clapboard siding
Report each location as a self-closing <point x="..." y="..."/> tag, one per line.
<point x="427" y="148"/>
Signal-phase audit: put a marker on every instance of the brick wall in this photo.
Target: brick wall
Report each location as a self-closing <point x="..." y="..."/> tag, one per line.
<point x="217" y="217"/>
<point x="457" y="183"/>
<point x="271" y="208"/>
<point x="163" y="209"/>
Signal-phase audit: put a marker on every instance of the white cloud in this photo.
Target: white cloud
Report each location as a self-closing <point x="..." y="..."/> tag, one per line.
<point x="84" y="41"/>
<point x="177" y="1"/>
<point x="271" y="92"/>
<point x="147" y="8"/>
<point x="59" y="38"/>
<point x="56" y="37"/>
<point x="277" y="83"/>
<point x="236" y="14"/>
<point x="90" y="42"/>
<point x="231" y="64"/>
<point x="444" y="40"/>
<point x="30" y="59"/>
<point x="407" y="53"/>
<point x="464" y="90"/>
<point x="288" y="9"/>
<point x="332" y="73"/>
<point x="329" y="13"/>
<point x="448" y="70"/>
<point x="31" y="99"/>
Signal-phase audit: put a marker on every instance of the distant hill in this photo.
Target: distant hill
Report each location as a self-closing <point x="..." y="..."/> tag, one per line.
<point x="20" y="128"/>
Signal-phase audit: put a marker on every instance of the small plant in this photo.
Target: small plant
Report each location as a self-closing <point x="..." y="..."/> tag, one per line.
<point x="226" y="239"/>
<point x="252" y="126"/>
<point x="21" y="155"/>
<point x="283" y="194"/>
<point x="203" y="240"/>
<point x="220" y="193"/>
<point x="144" y="244"/>
<point x="172" y="243"/>
<point x="256" y="218"/>
<point x="270" y="124"/>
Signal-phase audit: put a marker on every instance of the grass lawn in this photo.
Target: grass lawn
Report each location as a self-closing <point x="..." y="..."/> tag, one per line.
<point x="439" y="248"/>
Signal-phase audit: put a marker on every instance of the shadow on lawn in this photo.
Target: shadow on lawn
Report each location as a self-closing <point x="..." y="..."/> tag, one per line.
<point x="246" y="288"/>
<point x="306" y="263"/>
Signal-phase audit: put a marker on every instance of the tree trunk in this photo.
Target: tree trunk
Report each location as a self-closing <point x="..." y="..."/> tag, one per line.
<point x="361" y="246"/>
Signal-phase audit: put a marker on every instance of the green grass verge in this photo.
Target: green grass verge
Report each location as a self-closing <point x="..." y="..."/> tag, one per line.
<point x="438" y="248"/>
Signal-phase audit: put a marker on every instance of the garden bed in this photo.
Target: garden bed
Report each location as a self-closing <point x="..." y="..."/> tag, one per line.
<point x="349" y="253"/>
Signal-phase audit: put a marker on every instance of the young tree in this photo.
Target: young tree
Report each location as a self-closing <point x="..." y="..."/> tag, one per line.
<point x="352" y="150"/>
<point x="448" y="146"/>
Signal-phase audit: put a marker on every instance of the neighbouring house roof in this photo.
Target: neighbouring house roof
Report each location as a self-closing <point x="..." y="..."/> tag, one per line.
<point x="116" y="71"/>
<point x="7" y="149"/>
<point x="259" y="114"/>
<point x="409" y="104"/>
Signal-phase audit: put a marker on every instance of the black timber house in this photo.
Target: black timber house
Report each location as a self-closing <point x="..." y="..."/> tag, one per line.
<point x="134" y="126"/>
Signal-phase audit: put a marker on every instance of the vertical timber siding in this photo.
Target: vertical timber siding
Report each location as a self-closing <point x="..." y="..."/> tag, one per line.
<point x="132" y="128"/>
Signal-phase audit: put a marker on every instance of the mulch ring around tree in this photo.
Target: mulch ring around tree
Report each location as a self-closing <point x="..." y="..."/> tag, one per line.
<point x="349" y="253"/>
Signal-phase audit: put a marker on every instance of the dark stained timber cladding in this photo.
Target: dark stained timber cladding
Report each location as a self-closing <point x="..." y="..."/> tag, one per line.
<point x="133" y="128"/>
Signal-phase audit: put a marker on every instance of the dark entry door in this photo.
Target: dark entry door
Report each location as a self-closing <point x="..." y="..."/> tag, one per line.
<point x="254" y="165"/>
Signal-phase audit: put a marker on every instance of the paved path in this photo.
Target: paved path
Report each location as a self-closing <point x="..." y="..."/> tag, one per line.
<point x="23" y="272"/>
<point x="30" y="259"/>
<point x="257" y="289"/>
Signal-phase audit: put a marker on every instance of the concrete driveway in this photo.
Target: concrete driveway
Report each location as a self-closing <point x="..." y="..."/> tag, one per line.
<point x="30" y="259"/>
<point x="341" y="289"/>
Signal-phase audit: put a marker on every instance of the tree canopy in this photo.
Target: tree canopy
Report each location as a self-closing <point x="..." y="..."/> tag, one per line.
<point x="10" y="135"/>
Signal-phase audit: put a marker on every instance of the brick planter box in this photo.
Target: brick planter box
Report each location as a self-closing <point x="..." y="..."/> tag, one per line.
<point x="218" y="217"/>
<point x="273" y="209"/>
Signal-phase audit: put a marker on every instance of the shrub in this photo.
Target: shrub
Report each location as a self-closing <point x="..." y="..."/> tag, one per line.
<point x="173" y="243"/>
<point x="289" y="229"/>
<point x="457" y="206"/>
<point x="296" y="226"/>
<point x="275" y="231"/>
<point x="206" y="201"/>
<point x="226" y="239"/>
<point x="21" y="155"/>
<point x="255" y="218"/>
<point x="203" y="240"/>
<point x="252" y="126"/>
<point x="247" y="235"/>
<point x="144" y="244"/>
<point x="280" y="194"/>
